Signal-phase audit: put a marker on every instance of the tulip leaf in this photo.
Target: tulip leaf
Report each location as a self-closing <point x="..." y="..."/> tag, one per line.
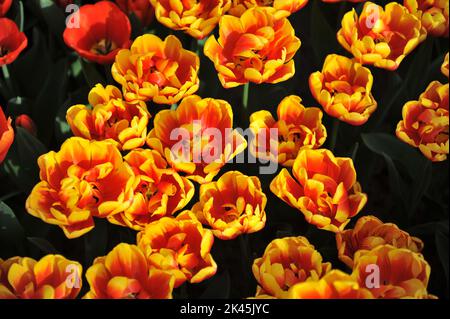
<point x="91" y="74"/>
<point x="30" y="70"/>
<point x="21" y="161"/>
<point x="397" y="150"/>
<point x="11" y="231"/>
<point x="417" y="166"/>
<point x="43" y="245"/>
<point x="421" y="58"/>
<point x="95" y="241"/>
<point x="53" y="16"/>
<point x="442" y="245"/>
<point x="397" y="185"/>
<point x="49" y="100"/>
<point x="323" y="37"/>
<point x="218" y="288"/>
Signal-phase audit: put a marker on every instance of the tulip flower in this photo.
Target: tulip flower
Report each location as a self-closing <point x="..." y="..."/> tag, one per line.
<point x="104" y="29"/>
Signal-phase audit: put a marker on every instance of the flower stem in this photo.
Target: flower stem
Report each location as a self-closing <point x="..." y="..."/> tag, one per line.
<point x="245" y="95"/>
<point x="334" y="134"/>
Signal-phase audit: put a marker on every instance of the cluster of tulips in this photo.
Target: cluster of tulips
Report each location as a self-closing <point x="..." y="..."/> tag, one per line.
<point x="116" y="167"/>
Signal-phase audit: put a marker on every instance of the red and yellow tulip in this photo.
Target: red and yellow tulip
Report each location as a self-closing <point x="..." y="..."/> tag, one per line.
<point x="286" y="262"/>
<point x="324" y="189"/>
<point x="197" y="138"/>
<point x="432" y="13"/>
<point x="283" y="8"/>
<point x="370" y="232"/>
<point x="333" y="285"/>
<point x="179" y="246"/>
<point x="425" y="122"/>
<point x="156" y="70"/>
<point x="254" y="48"/>
<point x="444" y="66"/>
<point x="344" y="89"/>
<point x="159" y="191"/>
<point x="125" y="274"/>
<point x="110" y="118"/>
<point x="298" y="127"/>
<point x="196" y="18"/>
<point x="78" y="182"/>
<point x="232" y="206"/>
<point x="381" y="37"/>
<point x="392" y="273"/>
<point x="51" y="277"/>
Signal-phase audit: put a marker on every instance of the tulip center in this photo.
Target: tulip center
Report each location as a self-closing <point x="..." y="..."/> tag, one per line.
<point x="3" y="51"/>
<point x="103" y="47"/>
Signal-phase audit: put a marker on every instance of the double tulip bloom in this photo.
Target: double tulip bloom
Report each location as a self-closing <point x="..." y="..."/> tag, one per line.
<point x="324" y="189"/>
<point x="425" y="122"/>
<point x="343" y="88"/>
<point x="196" y="18"/>
<point x="400" y="272"/>
<point x="12" y="41"/>
<point x="52" y="277"/>
<point x="232" y="206"/>
<point x="179" y="246"/>
<point x="156" y="70"/>
<point x="444" y="67"/>
<point x="6" y="135"/>
<point x="256" y="48"/>
<point x="78" y="182"/>
<point x="159" y="191"/>
<point x="432" y="13"/>
<point x="283" y="8"/>
<point x="298" y="127"/>
<point x="124" y="273"/>
<point x="334" y="285"/>
<point x="381" y="37"/>
<point x="285" y="263"/>
<point x="369" y="233"/>
<point x="103" y="30"/>
<point x="110" y="117"/>
<point x="188" y="135"/>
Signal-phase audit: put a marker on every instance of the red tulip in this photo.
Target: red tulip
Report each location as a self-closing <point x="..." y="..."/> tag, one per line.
<point x="103" y="30"/>
<point x="12" y="41"/>
<point x="27" y="123"/>
<point x="6" y="135"/>
<point x="4" y="6"/>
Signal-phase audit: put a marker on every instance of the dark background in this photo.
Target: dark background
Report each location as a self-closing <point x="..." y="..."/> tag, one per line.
<point x="402" y="185"/>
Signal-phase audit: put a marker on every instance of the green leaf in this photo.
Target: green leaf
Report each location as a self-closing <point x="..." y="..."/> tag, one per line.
<point x="442" y="243"/>
<point x="11" y="232"/>
<point x="91" y="74"/>
<point x="96" y="240"/>
<point x="49" y="100"/>
<point x="397" y="185"/>
<point x="43" y="245"/>
<point x="417" y="166"/>
<point x="53" y="16"/>
<point x="413" y="83"/>
<point x="21" y="162"/>
<point x="31" y="68"/>
<point x="323" y="37"/>
<point x="397" y="150"/>
<point x="218" y="288"/>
